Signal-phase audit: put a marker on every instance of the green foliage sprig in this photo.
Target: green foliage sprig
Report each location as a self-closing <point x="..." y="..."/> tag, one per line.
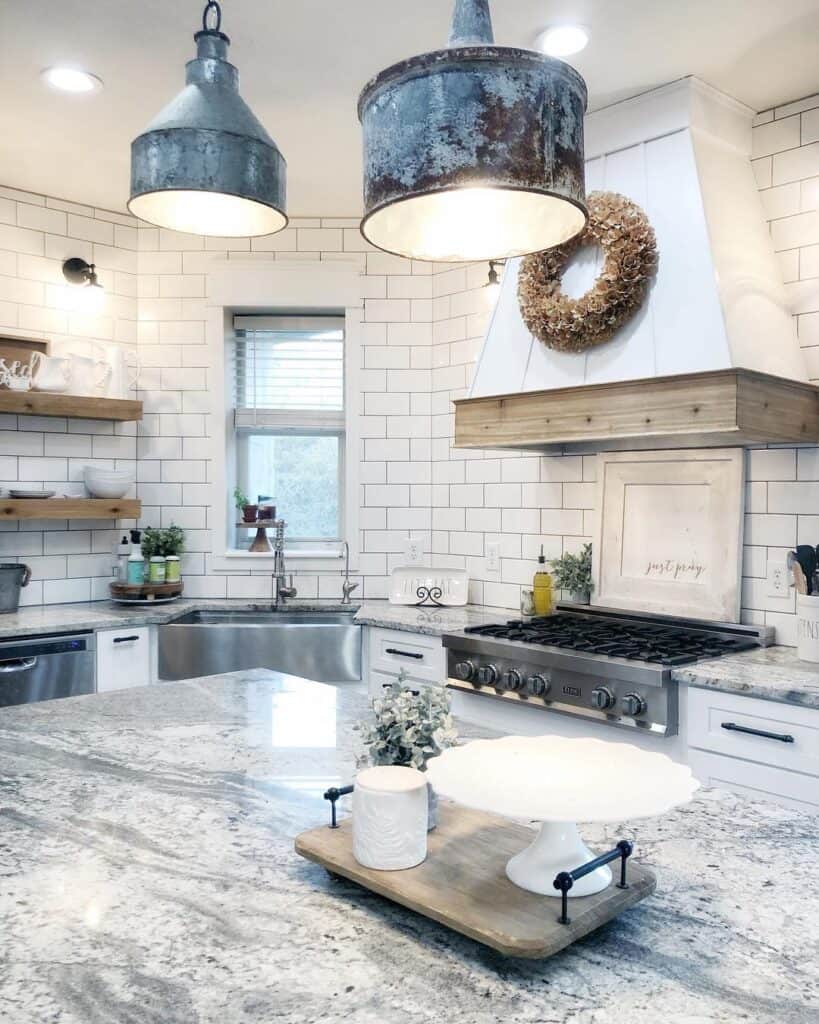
<point x="411" y="726"/>
<point x="240" y="498"/>
<point x="163" y="543"/>
<point x="574" y="572"/>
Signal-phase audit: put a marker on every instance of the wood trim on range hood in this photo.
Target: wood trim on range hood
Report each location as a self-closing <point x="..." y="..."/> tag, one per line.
<point x="715" y="408"/>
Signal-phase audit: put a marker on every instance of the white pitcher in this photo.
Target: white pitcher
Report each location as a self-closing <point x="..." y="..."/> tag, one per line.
<point x="89" y="376"/>
<point x="50" y="373"/>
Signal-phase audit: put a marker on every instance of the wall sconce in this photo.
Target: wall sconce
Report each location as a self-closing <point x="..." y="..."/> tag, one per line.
<point x="84" y="275"/>
<point x="492" y="287"/>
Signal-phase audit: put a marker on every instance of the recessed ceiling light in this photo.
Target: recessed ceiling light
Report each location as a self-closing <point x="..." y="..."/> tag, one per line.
<point x="563" y="40"/>
<point x="71" y="79"/>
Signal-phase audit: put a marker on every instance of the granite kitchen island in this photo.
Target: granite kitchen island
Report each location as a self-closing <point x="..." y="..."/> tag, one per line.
<point x="147" y="876"/>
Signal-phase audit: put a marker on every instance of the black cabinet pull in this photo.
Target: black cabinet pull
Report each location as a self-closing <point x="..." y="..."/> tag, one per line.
<point x="125" y="639"/>
<point x="783" y="737"/>
<point x="403" y="654"/>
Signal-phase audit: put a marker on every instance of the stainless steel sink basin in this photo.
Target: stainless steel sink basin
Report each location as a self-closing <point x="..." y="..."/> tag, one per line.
<point x="325" y="646"/>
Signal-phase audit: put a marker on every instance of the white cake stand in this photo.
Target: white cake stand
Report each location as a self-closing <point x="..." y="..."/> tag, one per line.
<point x="560" y="781"/>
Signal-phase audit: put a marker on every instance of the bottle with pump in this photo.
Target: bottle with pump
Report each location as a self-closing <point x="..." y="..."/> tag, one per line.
<point x="136" y="563"/>
<point x="122" y="552"/>
<point x="542" y="588"/>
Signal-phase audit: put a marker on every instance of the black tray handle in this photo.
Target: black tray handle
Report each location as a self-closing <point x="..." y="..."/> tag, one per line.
<point x="333" y="796"/>
<point x="566" y="879"/>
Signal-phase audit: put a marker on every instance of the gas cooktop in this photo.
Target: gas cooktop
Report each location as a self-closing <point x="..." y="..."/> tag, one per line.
<point x="637" y="641"/>
<point x="614" y="667"/>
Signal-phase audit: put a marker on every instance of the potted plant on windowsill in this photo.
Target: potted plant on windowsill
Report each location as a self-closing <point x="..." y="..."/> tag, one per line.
<point x="250" y="513"/>
<point x="573" y="573"/>
<point x="411" y="727"/>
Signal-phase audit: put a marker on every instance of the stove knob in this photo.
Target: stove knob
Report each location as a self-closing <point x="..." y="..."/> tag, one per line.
<point x="512" y="680"/>
<point x="487" y="675"/>
<point x="633" y="704"/>
<point x="538" y="686"/>
<point x="602" y="698"/>
<point x="465" y="670"/>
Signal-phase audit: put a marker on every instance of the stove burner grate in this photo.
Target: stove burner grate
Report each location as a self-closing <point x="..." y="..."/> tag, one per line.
<point x="635" y="641"/>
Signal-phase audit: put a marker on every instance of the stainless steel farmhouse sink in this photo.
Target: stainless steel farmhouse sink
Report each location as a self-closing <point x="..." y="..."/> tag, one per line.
<point x="325" y="646"/>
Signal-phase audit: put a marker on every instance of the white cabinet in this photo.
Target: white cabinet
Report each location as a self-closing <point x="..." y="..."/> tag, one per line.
<point x="124" y="658"/>
<point x="757" y="747"/>
<point x="388" y="651"/>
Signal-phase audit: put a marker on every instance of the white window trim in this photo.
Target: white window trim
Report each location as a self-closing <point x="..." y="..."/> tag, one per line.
<point x="297" y="287"/>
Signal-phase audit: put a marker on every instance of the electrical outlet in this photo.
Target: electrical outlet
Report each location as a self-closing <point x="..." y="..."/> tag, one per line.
<point x="413" y="551"/>
<point x="778" y="579"/>
<point x="493" y="557"/>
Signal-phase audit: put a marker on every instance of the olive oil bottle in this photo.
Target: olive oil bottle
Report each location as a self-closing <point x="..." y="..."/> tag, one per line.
<point x="542" y="587"/>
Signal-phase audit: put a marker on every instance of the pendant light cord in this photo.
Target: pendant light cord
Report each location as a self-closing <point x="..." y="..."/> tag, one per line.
<point x="212" y="8"/>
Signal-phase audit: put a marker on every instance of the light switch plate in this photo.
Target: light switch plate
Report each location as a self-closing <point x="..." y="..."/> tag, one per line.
<point x="493" y="557"/>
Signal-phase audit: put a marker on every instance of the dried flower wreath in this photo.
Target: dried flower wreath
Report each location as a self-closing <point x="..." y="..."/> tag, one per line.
<point x="623" y="232"/>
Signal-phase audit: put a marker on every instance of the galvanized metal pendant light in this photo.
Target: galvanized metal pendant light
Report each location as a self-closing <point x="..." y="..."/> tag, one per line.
<point x="205" y="164"/>
<point x="474" y="152"/>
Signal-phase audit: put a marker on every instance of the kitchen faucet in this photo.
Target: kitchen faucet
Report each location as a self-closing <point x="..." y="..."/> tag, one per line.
<point x="346" y="587"/>
<point x="281" y="590"/>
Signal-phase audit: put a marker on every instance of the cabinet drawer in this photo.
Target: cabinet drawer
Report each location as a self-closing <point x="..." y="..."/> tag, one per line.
<point x="730" y="724"/>
<point x="123" y="658"/>
<point x="421" y="656"/>
<point x="756" y="781"/>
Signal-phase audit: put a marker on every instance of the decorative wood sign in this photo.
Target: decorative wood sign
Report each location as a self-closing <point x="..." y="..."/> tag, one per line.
<point x="669" y="532"/>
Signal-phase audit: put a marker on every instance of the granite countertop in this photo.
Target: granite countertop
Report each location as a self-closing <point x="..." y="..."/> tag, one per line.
<point x="432" y="621"/>
<point x="148" y="875"/>
<point x="61" y="618"/>
<point x="772" y="673"/>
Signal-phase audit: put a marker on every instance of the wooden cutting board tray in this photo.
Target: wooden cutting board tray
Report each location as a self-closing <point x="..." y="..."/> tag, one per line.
<point x="463" y="885"/>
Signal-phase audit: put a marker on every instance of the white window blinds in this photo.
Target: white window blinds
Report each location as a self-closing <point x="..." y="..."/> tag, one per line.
<point x="289" y="372"/>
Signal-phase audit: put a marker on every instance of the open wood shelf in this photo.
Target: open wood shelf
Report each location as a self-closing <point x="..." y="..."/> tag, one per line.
<point x="732" y="407"/>
<point x="70" y="508"/>
<point x="43" y="403"/>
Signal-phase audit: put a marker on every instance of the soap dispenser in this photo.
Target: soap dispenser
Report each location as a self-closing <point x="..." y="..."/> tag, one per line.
<point x="136" y="563"/>
<point x="542" y="587"/>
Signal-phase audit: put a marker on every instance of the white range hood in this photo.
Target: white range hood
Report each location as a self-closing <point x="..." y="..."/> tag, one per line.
<point x="682" y="152"/>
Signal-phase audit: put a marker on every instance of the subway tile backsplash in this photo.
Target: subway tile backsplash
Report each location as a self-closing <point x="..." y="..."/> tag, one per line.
<point x="423" y="327"/>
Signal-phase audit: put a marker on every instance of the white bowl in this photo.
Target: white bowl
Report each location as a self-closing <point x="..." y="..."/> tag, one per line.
<point x="107" y="483"/>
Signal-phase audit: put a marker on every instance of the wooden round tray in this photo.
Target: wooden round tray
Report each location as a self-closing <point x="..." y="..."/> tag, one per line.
<point x="138" y="593"/>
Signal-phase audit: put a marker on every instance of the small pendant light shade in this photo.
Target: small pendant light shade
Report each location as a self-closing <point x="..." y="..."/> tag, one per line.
<point x="474" y="152"/>
<point x="205" y="164"/>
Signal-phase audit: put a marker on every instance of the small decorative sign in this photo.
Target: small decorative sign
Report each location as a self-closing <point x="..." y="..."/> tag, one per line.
<point x="669" y="534"/>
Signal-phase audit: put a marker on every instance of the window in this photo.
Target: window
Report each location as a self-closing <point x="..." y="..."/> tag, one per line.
<point x="290" y="422"/>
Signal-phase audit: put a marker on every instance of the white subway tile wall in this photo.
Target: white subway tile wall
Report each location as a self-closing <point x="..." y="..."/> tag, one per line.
<point x="423" y="327"/>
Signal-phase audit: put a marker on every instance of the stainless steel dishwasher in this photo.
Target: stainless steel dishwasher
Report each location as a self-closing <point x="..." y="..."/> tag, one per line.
<point x="46" y="667"/>
<point x="324" y="646"/>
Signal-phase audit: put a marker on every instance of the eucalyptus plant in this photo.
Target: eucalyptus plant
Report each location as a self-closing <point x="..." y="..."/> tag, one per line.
<point x="411" y="726"/>
<point x="574" y="572"/>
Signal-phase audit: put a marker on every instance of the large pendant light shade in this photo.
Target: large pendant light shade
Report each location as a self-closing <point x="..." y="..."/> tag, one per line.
<point x="474" y="152"/>
<point x="205" y="164"/>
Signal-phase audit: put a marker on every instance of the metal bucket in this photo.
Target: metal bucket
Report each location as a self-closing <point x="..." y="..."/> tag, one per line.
<point x="12" y="578"/>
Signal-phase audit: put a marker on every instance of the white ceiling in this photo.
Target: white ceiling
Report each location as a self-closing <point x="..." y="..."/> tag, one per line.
<point x="302" y="63"/>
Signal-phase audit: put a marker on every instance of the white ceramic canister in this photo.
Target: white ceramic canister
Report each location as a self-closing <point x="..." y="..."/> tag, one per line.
<point x="390" y="818"/>
<point x="807" y="627"/>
